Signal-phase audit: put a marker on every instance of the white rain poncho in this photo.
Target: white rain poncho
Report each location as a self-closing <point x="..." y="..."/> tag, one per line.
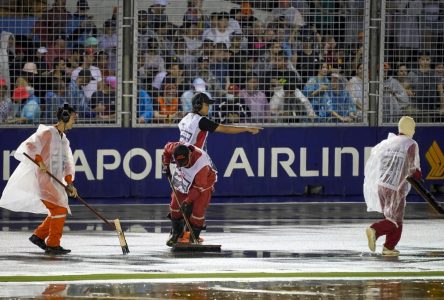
<point x="385" y="187"/>
<point x="27" y="186"/>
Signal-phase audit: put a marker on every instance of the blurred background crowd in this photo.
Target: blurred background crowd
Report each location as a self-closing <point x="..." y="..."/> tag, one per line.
<point x="266" y="62"/>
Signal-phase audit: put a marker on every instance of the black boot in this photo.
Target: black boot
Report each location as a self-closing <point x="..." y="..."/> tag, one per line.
<point x="37" y="241"/>
<point x="176" y="232"/>
<point x="56" y="250"/>
<point x="196" y="232"/>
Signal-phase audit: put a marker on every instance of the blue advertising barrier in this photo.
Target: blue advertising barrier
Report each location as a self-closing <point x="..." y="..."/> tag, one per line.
<point x="125" y="164"/>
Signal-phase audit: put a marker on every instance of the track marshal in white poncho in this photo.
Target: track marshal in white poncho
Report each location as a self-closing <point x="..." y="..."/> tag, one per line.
<point x="29" y="189"/>
<point x="385" y="184"/>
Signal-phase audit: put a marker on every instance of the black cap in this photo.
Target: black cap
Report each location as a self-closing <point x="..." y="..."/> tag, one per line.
<point x="181" y="155"/>
<point x="203" y="97"/>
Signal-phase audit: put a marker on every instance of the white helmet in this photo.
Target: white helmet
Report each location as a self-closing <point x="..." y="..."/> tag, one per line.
<point x="406" y="125"/>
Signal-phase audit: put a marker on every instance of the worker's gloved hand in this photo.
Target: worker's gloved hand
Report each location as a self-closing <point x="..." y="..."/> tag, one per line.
<point x="187" y="208"/>
<point x="417" y="175"/>
<point x="166" y="170"/>
<point x="71" y="190"/>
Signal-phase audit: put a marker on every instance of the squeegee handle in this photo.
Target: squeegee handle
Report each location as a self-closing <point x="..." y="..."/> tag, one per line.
<point x="78" y="197"/>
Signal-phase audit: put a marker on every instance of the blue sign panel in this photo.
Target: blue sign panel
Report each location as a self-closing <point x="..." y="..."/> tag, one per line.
<point x="124" y="163"/>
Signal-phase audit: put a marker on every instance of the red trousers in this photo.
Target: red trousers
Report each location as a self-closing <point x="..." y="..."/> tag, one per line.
<point x="391" y="231"/>
<point x="200" y="206"/>
<point x="52" y="227"/>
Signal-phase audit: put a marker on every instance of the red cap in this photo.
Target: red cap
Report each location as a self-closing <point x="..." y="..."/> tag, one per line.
<point x="2" y="82"/>
<point x="20" y="93"/>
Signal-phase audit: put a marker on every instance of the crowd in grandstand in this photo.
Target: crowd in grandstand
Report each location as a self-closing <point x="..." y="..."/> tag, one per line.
<point x="302" y="62"/>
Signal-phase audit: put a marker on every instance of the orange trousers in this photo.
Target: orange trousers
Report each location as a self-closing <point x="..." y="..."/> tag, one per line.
<point x="51" y="228"/>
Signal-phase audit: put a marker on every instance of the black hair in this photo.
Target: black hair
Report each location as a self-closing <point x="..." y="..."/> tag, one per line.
<point x="64" y="113"/>
<point x="85" y="73"/>
<point x="198" y="100"/>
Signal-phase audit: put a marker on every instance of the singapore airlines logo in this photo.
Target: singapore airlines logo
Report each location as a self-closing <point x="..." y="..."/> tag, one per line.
<point x="435" y="157"/>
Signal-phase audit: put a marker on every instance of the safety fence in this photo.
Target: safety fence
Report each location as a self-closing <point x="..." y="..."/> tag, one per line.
<point x="274" y="63"/>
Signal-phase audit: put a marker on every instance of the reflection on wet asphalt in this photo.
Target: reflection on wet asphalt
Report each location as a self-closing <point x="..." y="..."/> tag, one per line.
<point x="391" y="289"/>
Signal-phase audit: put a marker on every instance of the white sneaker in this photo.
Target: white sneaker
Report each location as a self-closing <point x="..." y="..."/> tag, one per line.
<point x="371" y="237"/>
<point x="387" y="252"/>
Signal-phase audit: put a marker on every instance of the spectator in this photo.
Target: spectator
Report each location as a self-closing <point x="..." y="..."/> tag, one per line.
<point x="108" y="43"/>
<point x="290" y="15"/>
<point x="23" y="48"/>
<point x="358" y="54"/>
<point x="31" y="110"/>
<point x="256" y="40"/>
<point x="145" y="111"/>
<point x="211" y="29"/>
<point x="231" y="109"/>
<point x="103" y="101"/>
<point x="102" y="62"/>
<point x="407" y="23"/>
<point x="233" y="22"/>
<point x="341" y="106"/>
<point x="19" y="97"/>
<point x="40" y="60"/>
<point x="355" y="89"/>
<point x="325" y="12"/>
<point x="199" y="86"/>
<point x="212" y="84"/>
<point x="245" y="17"/>
<point x="221" y="33"/>
<point x="151" y="62"/>
<point x="156" y="14"/>
<point x="52" y="24"/>
<point x="55" y="97"/>
<point x="354" y="22"/>
<point x="308" y="58"/>
<point x="56" y="49"/>
<point x="237" y="59"/>
<point x="58" y="71"/>
<point x="77" y="97"/>
<point x="404" y="80"/>
<point x="432" y="26"/>
<point x="269" y="58"/>
<point x="82" y="26"/>
<point x="175" y="71"/>
<point x="73" y="61"/>
<point x="6" y="108"/>
<point x="89" y="63"/>
<point x="186" y="58"/>
<point x="219" y="63"/>
<point x="144" y="33"/>
<point x="194" y="15"/>
<point x="166" y="106"/>
<point x="396" y="100"/>
<point x="332" y="56"/>
<point x="29" y="73"/>
<point x="316" y="89"/>
<point x="255" y="99"/>
<point x="280" y="69"/>
<point x="193" y="38"/>
<point x="7" y="53"/>
<point x="165" y="39"/>
<point x="428" y="89"/>
<point x="277" y="101"/>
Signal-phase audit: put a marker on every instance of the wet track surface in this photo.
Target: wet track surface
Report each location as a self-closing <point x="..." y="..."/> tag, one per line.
<point x="278" y="251"/>
<point x="283" y="290"/>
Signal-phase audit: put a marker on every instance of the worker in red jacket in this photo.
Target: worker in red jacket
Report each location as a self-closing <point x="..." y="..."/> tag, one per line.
<point x="193" y="179"/>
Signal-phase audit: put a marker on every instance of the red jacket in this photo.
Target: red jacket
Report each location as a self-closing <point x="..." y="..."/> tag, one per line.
<point x="203" y="180"/>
